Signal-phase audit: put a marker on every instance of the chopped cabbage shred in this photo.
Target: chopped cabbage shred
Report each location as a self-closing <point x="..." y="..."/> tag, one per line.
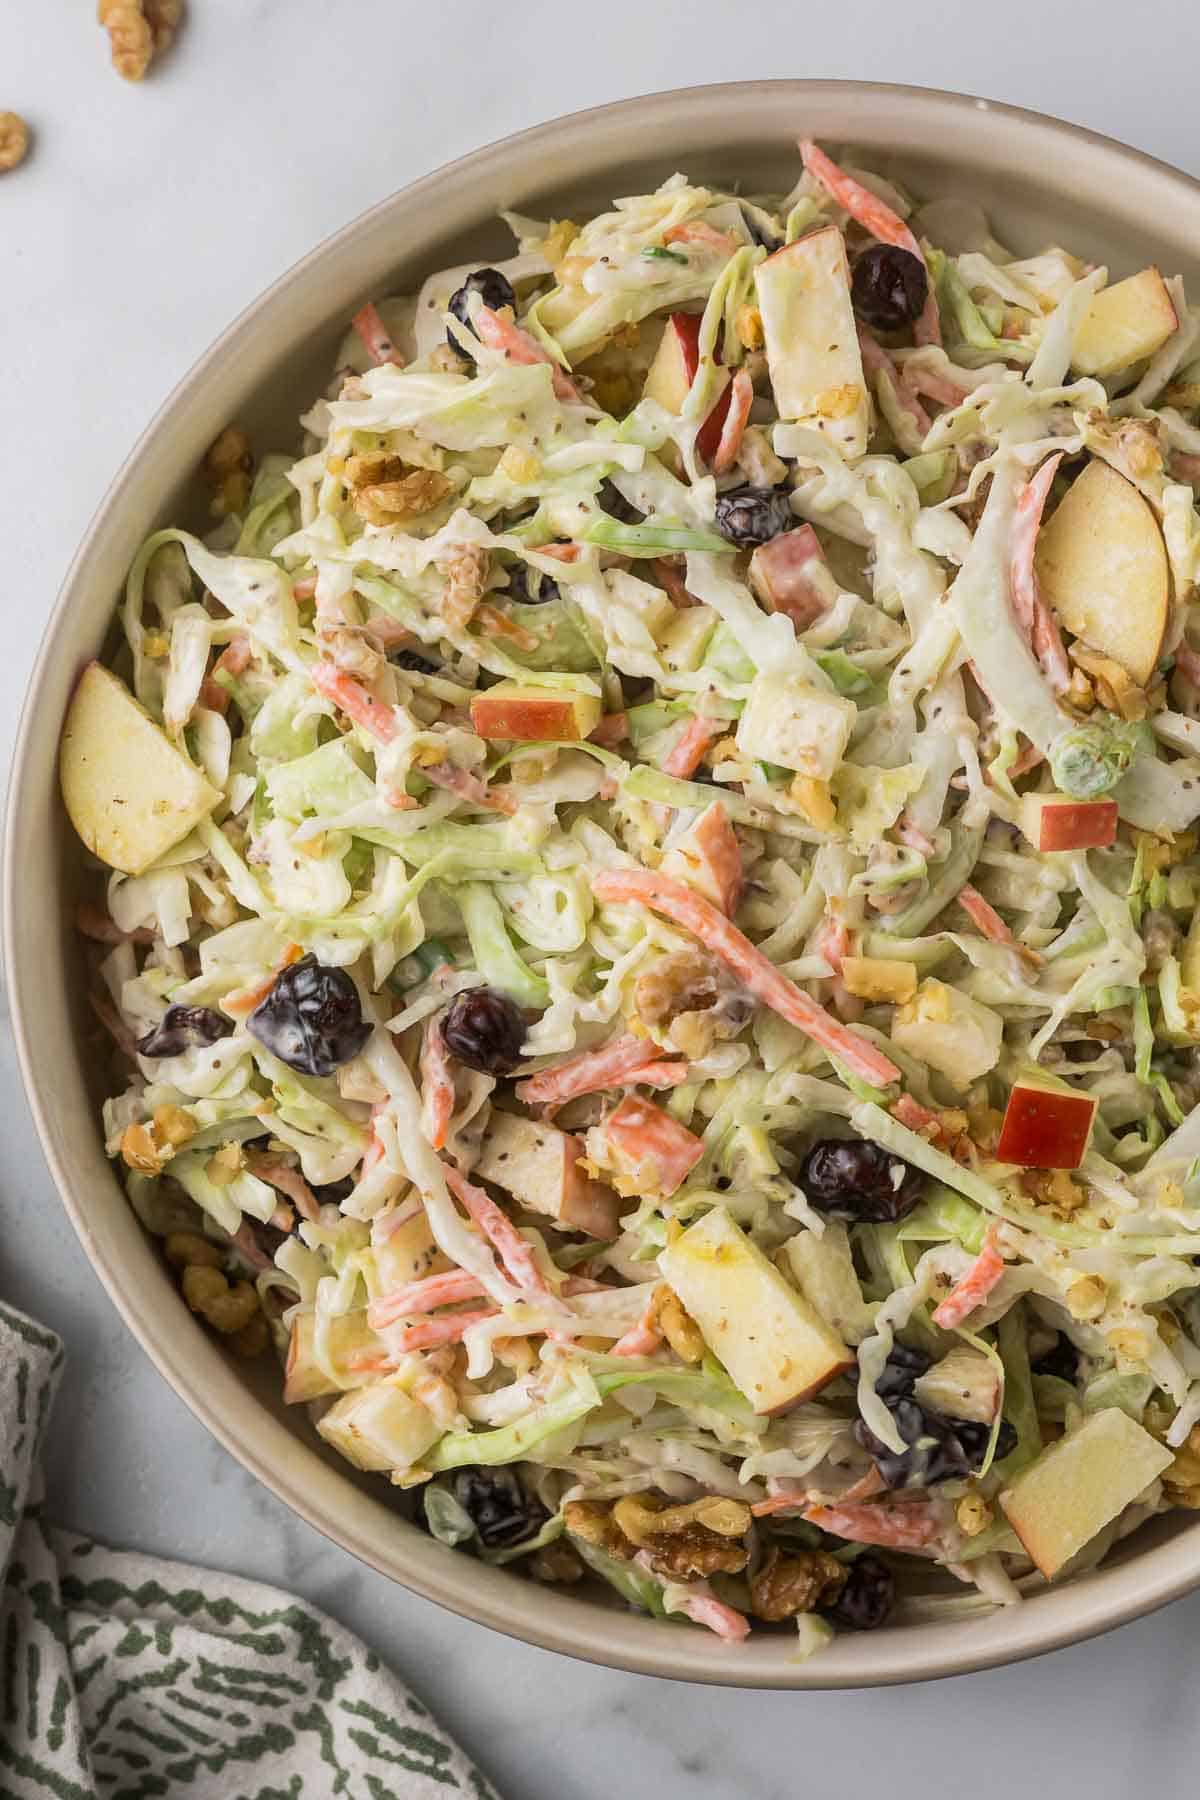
<point x="690" y="973"/>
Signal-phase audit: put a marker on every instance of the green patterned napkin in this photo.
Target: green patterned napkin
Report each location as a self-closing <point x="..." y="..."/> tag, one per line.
<point x="126" y="1677"/>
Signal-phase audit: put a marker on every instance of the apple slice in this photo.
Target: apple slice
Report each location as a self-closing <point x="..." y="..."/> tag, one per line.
<point x="539" y="1166"/>
<point x="1101" y="564"/>
<point x="789" y="574"/>
<point x="1055" y="822"/>
<point x="1124" y="323"/>
<point x="380" y="1427"/>
<point x="812" y="340"/>
<point x="672" y="372"/>
<point x="307" y="1379"/>
<point x="786" y="721"/>
<point x="1081" y="1484"/>
<point x="777" y="1348"/>
<point x="958" y="1036"/>
<point x="1045" y="1127"/>
<point x="534" y="714"/>
<point x="129" y="792"/>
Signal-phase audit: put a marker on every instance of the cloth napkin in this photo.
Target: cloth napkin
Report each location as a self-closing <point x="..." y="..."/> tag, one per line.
<point x="123" y="1676"/>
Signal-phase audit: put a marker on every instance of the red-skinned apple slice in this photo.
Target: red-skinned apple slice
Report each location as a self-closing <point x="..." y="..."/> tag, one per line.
<point x="534" y="715"/>
<point x="1054" y="822"/>
<point x="1045" y="1128"/>
<point x="674" y="369"/>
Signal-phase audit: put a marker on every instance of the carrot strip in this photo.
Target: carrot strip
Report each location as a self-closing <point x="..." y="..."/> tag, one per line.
<point x="1032" y="612"/>
<point x="495" y="624"/>
<point x="973" y="1289"/>
<point x="869" y="211"/>
<point x="910" y="1112"/>
<point x="833" y="941"/>
<point x="289" y="1181"/>
<point x="353" y="699"/>
<point x="697" y="231"/>
<point x="984" y="916"/>
<point x="707" y="1610"/>
<point x="660" y="1075"/>
<point x="748" y="964"/>
<point x="915" y="838"/>
<point x="469" y="787"/>
<point x="644" y="1338"/>
<point x="447" y="1329"/>
<point x="876" y="361"/>
<point x="898" y="1525"/>
<point x="374" y="336"/>
<point x="448" y="1289"/>
<point x="437" y="1085"/>
<point x="733" y="428"/>
<point x="684" y="756"/>
<point x="499" y="1230"/>
<point x="591" y="1072"/>
<point x="519" y="347"/>
<point x="657" y="1146"/>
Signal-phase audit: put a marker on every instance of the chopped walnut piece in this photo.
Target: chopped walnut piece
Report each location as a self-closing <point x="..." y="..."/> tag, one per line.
<point x="227" y="465"/>
<point x="788" y="1585"/>
<point x="399" y="496"/>
<point x="594" y="1523"/>
<point x="1181" y="1482"/>
<point x="973" y="1514"/>
<point x="683" y="981"/>
<point x="130" y="36"/>
<point x="466" y="583"/>
<point x="163" y="18"/>
<point x="556" y="1563"/>
<point x="226" y="1307"/>
<point x="187" y="1249"/>
<point x="1115" y="689"/>
<point x="14" y="140"/>
<point x="1055" y="1189"/>
<point x="700" y="1539"/>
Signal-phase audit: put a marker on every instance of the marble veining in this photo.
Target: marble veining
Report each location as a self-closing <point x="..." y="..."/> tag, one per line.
<point x="143" y="221"/>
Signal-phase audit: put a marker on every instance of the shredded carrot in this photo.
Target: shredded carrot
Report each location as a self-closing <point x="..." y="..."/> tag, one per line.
<point x="437" y="1085"/>
<point x="686" y="753"/>
<point x="447" y="1328"/>
<point x="289" y="1181"/>
<point x="662" y="1150"/>
<point x="660" y="1075"/>
<point x="499" y="333"/>
<point x="869" y="211"/>
<point x="897" y="1525"/>
<point x="415" y="1297"/>
<point x="1033" y="614"/>
<point x="374" y="336"/>
<point x="499" y="1230"/>
<point x="353" y="699"/>
<point x="590" y="1072"/>
<point x="469" y="787"/>
<point x="974" y="1287"/>
<point x="733" y="426"/>
<point x="748" y="964"/>
<point x="696" y="231"/>
<point x="877" y="362"/>
<point x="644" y="1338"/>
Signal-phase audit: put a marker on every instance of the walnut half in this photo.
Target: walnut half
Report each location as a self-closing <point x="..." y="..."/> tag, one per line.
<point x="14" y="140"/>
<point x="788" y="1585"/>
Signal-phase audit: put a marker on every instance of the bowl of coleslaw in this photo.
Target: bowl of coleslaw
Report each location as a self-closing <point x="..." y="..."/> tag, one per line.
<point x="629" y="911"/>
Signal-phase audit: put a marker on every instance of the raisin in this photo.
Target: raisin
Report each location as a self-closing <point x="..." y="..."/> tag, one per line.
<point x="501" y="1511"/>
<point x="184" y="1028"/>
<point x="530" y="587"/>
<point x="900" y="1372"/>
<point x="612" y="500"/>
<point x="1062" y="1360"/>
<point x="889" y="287"/>
<point x="854" y="1180"/>
<point x="485" y="1030"/>
<point x="933" y="1450"/>
<point x="410" y="659"/>
<point x="753" y="515"/>
<point x="867" y="1598"/>
<point x="312" y="1018"/>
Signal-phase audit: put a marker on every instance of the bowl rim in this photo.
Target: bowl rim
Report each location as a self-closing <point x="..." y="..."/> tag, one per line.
<point x="922" y="1651"/>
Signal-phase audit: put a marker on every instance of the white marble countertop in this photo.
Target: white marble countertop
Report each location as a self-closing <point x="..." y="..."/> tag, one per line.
<point x="143" y="221"/>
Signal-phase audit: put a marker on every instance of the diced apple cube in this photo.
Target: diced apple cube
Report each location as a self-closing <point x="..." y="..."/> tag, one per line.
<point x="774" y="1344"/>
<point x="1045" y="1127"/>
<point x="963" y="1385"/>
<point x="789" y="574"/>
<point x="647" y="1149"/>
<point x="954" y="1034"/>
<point x="1102" y="566"/>
<point x="684" y="638"/>
<point x="1081" y="1484"/>
<point x="880" y="978"/>
<point x="707" y="856"/>
<point x="786" y="721"/>
<point x="823" y="1268"/>
<point x="539" y="1166"/>
<point x="672" y="372"/>
<point x="1055" y="822"/>
<point x="533" y="714"/>
<point x="1124" y="323"/>
<point x="305" y="1378"/>
<point x="380" y="1427"/>
<point x="407" y="1254"/>
<point x="812" y="340"/>
<point x="129" y="792"/>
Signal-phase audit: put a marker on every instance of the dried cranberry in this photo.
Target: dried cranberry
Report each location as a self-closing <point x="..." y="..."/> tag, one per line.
<point x="485" y="1030"/>
<point x="184" y="1028"/>
<point x="499" y="1508"/>
<point x="1062" y="1360"/>
<point x="933" y="1450"/>
<point x="753" y="515"/>
<point x="530" y="587"/>
<point x="975" y="1437"/>
<point x="900" y="1372"/>
<point x="312" y="1018"/>
<point x="493" y="288"/>
<point x="1083" y="1050"/>
<point x="889" y="287"/>
<point x="852" y="1179"/>
<point x="612" y="500"/>
<point x="867" y="1598"/>
<point x="409" y="659"/>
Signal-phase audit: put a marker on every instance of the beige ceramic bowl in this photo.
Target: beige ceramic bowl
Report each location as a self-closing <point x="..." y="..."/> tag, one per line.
<point x="1041" y="181"/>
